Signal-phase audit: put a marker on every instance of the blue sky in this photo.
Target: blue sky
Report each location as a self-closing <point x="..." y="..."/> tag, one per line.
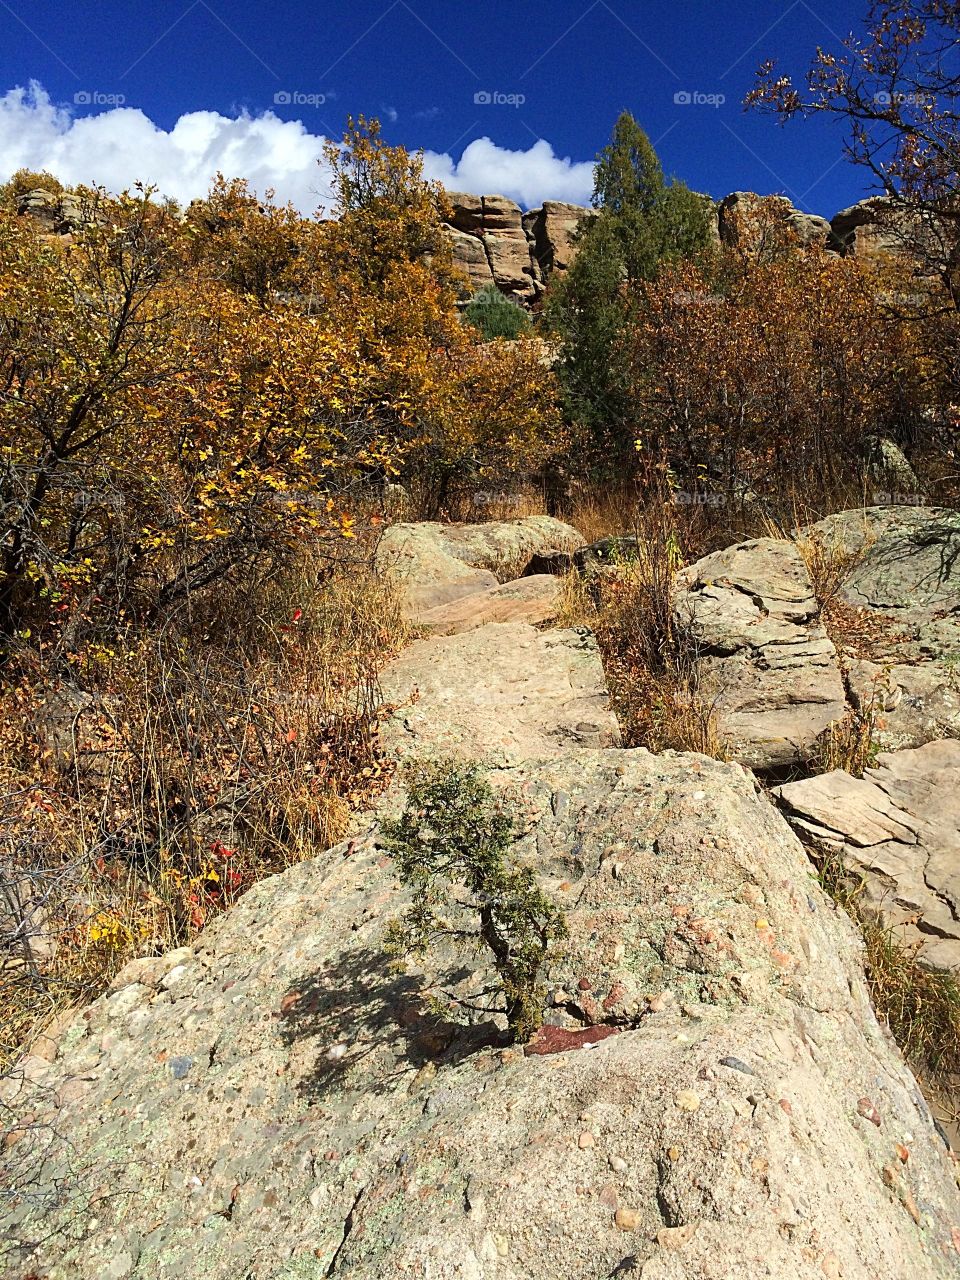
<point x="170" y="91"/>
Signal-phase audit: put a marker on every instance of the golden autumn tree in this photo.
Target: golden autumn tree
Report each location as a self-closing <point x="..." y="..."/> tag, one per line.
<point x="451" y="409"/>
<point x="185" y="398"/>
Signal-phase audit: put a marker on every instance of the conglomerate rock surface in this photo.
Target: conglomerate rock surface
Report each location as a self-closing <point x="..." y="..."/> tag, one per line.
<point x="710" y="1097"/>
<point x="275" y="1102"/>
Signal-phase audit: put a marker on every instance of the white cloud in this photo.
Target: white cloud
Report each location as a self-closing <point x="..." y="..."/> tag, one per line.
<point x="121" y="146"/>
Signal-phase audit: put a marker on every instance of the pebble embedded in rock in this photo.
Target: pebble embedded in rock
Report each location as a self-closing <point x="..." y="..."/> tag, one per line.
<point x="687" y="1100"/>
<point x="586" y="1140"/>
<point x="674" y="1238"/>
<point x="737" y="1064"/>
<point x="627" y="1219"/>
<point x="618" y="1164"/>
<point x="869" y="1112"/>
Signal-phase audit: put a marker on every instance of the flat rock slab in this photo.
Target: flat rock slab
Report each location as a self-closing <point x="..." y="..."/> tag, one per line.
<point x="534" y="599"/>
<point x="906" y="578"/>
<point x="765" y="662"/>
<point x="897" y="828"/>
<point x="503" y="691"/>
<point x="441" y="563"/>
<point x="282" y="1104"/>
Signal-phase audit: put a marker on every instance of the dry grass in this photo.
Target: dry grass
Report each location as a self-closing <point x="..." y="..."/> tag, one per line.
<point x="577" y="606"/>
<point x="603" y="513"/>
<point x="849" y="744"/>
<point x="173" y="771"/>
<point x="830" y="562"/>
<point x="921" y="1006"/>
<point x="649" y="650"/>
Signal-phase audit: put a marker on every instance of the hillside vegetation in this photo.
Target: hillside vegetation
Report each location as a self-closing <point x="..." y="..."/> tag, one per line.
<point x="204" y="413"/>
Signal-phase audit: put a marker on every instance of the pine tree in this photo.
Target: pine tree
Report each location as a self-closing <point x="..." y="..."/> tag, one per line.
<point x="641" y="221"/>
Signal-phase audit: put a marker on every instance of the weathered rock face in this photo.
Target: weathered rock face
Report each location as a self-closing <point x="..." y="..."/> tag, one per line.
<point x="503" y="691"/>
<point x="765" y="661"/>
<point x="887" y="466"/>
<point x="906" y="584"/>
<point x="869" y="228"/>
<point x="490" y="243"/>
<point x="471" y="256"/>
<point x="897" y="829"/>
<point x="497" y="244"/>
<point x="60" y="214"/>
<point x="552" y="229"/>
<point x="739" y="223"/>
<point x="879" y="229"/>
<point x="274" y="1102"/>
<point x="440" y="564"/>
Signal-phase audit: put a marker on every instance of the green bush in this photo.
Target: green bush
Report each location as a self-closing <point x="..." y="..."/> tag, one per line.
<point x="496" y="315"/>
<point x="452" y="845"/>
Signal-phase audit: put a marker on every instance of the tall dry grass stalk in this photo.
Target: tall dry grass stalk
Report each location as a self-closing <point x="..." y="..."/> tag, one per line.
<point x="649" y="648"/>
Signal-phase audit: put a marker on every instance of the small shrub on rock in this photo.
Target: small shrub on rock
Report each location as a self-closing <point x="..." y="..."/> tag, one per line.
<point x="495" y="315"/>
<point x="452" y="848"/>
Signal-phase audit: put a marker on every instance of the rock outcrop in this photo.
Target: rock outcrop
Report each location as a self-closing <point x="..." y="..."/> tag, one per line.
<point x="904" y="586"/>
<point x="533" y="599"/>
<point x="764" y="660"/>
<point x="869" y="228"/>
<point x="493" y="226"/>
<point x="443" y="564"/>
<point x="739" y="223"/>
<point x="60" y="213"/>
<point x="495" y="243"/>
<point x="712" y="1095"/>
<point x="503" y="691"/>
<point x="551" y="230"/>
<point x="897" y="829"/>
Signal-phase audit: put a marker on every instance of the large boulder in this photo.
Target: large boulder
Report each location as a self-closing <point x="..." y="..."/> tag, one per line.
<point x="896" y="829"/>
<point x="502" y="690"/>
<point x="495" y="225"/>
<point x="506" y="244"/>
<point x="890" y="470"/>
<point x="442" y="563"/>
<point x="874" y="229"/>
<point x="764" y="660"/>
<point x="552" y="229"/>
<point x="471" y="257"/>
<point x="712" y="1096"/>
<point x="60" y="213"/>
<point x="742" y="224"/>
<point x="904" y="587"/>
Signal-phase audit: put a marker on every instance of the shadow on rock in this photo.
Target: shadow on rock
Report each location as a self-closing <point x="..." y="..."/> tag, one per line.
<point x="362" y="1014"/>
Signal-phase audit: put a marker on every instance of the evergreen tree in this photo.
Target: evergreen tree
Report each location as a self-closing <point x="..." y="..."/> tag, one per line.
<point x="641" y="222"/>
